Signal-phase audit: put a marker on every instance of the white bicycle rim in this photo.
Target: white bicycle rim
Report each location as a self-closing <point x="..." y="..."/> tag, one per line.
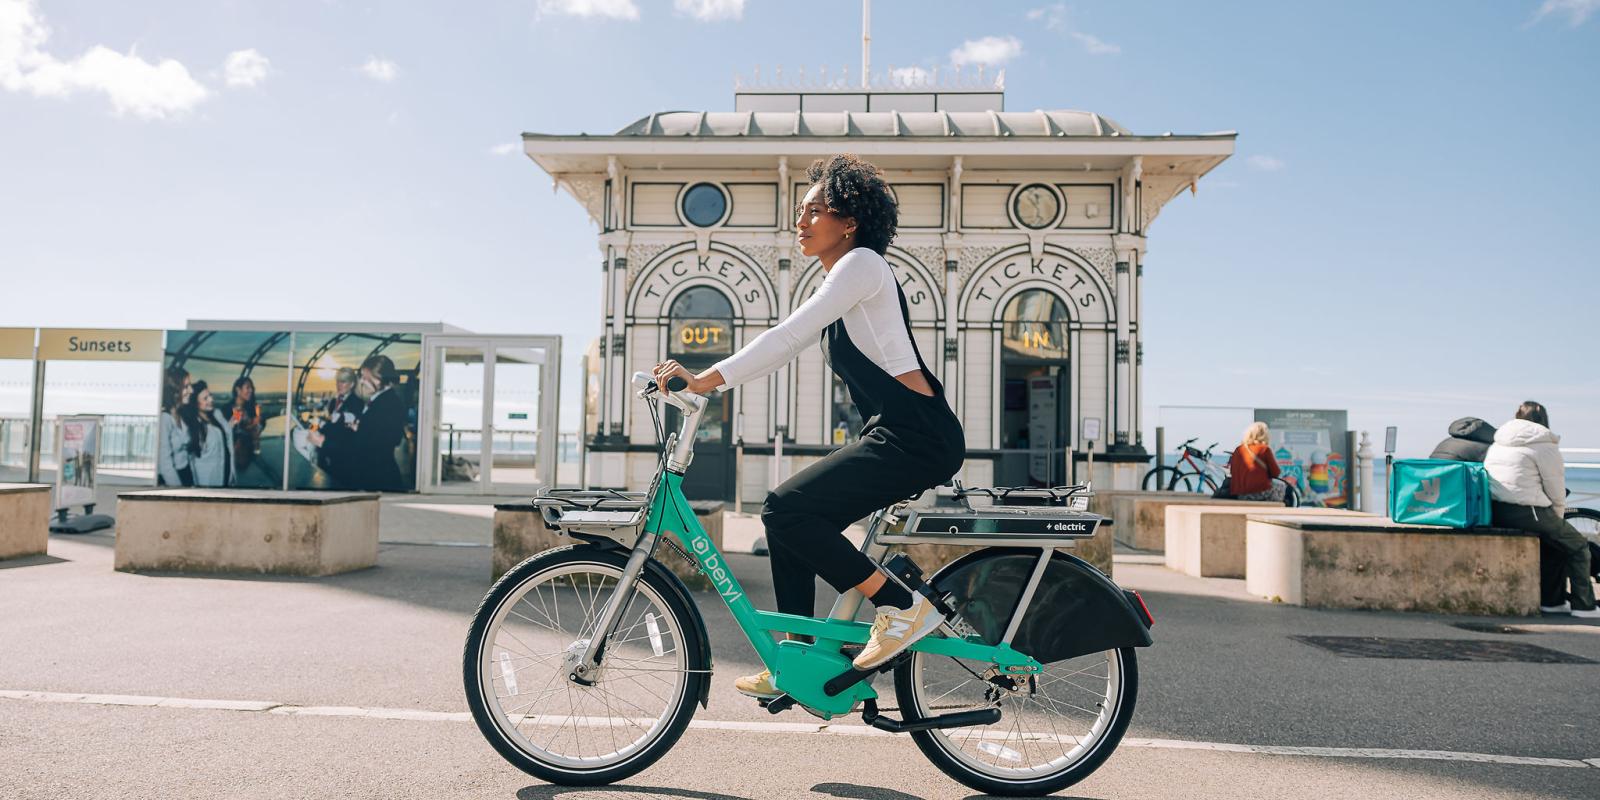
<point x="1044" y="730"/>
<point x="531" y="644"/>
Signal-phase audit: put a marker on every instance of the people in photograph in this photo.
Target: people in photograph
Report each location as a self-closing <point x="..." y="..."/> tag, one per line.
<point x="1252" y="469"/>
<point x="341" y="410"/>
<point x="362" y="452"/>
<point x="1528" y="488"/>
<point x="209" y="438"/>
<point x="1469" y="440"/>
<point x="244" y="416"/>
<point x="172" y="448"/>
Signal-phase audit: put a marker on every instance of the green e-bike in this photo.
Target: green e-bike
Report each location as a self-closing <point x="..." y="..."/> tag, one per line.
<point x="583" y="663"/>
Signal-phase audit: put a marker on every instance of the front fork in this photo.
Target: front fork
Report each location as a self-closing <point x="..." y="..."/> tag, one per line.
<point x="587" y="664"/>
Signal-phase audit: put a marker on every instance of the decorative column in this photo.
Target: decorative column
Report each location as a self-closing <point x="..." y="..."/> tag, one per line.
<point x="781" y="422"/>
<point x="1124" y="350"/>
<point x="947" y="326"/>
<point x="613" y="344"/>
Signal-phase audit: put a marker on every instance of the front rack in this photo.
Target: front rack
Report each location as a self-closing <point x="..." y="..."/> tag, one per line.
<point x="611" y="513"/>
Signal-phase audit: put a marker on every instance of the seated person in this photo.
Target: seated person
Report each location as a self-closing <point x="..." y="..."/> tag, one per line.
<point x="1469" y="440"/>
<point x="1252" y="469"/>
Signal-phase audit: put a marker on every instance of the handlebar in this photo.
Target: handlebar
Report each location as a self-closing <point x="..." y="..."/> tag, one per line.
<point x="674" y="384"/>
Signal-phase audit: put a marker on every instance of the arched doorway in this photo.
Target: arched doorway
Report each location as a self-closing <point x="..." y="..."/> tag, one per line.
<point x="700" y="333"/>
<point x="1035" y="417"/>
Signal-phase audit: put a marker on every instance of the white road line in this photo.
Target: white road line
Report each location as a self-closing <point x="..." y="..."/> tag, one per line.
<point x="821" y="728"/>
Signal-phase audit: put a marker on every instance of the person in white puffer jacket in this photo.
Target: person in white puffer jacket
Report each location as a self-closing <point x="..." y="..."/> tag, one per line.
<point x="1528" y="486"/>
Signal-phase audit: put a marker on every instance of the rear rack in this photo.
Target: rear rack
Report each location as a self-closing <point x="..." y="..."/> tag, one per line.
<point x="1028" y="516"/>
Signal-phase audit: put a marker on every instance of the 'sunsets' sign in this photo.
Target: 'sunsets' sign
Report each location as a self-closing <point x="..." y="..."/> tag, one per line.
<point x="90" y="344"/>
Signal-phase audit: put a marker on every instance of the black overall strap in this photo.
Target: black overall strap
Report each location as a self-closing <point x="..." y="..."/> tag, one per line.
<point x="905" y="314"/>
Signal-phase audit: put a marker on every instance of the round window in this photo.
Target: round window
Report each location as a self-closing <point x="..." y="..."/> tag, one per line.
<point x="704" y="204"/>
<point x="1037" y="206"/>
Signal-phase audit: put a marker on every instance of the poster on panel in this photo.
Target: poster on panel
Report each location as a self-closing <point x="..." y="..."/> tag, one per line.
<point x="77" y="452"/>
<point x="354" y="424"/>
<point x="1309" y="447"/>
<point x="224" y="395"/>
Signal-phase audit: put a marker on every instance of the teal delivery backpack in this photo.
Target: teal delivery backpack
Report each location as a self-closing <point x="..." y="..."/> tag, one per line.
<point x="1433" y="491"/>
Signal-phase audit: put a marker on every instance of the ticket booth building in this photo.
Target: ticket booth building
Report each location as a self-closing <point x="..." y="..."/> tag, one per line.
<point x="1021" y="250"/>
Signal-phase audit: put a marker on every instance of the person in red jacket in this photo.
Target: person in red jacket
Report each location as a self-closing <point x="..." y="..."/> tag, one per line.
<point x="1252" y="469"/>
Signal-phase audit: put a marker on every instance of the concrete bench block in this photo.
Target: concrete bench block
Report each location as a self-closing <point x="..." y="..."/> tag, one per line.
<point x="1141" y="517"/>
<point x="1372" y="563"/>
<point x="519" y="532"/>
<point x="1209" y="541"/>
<point x="240" y="530"/>
<point x="24" y="519"/>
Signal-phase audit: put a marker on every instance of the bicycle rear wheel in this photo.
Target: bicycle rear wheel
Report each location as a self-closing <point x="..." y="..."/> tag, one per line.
<point x="1056" y="727"/>
<point x="529" y="632"/>
<point x="1587" y="521"/>
<point x="1160" y="479"/>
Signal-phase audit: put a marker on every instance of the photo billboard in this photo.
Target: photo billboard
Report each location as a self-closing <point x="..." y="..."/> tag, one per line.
<point x="354" y="421"/>
<point x="224" y="395"/>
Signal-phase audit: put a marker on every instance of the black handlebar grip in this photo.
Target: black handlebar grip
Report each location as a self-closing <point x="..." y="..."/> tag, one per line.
<point x="676" y="384"/>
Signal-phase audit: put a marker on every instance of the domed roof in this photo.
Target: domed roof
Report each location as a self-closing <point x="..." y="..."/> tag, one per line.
<point x="841" y="124"/>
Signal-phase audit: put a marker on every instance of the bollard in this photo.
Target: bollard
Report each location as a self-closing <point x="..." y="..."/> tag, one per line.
<point x="1161" y="445"/>
<point x="1364" y="470"/>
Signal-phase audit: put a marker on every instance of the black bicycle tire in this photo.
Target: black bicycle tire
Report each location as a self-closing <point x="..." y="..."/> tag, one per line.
<point x="1185" y="482"/>
<point x="1583" y="513"/>
<point x="1161" y="482"/>
<point x="928" y="743"/>
<point x="687" y="626"/>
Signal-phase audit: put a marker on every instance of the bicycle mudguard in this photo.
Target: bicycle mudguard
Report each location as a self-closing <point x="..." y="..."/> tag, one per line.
<point x="1076" y="610"/>
<point x="674" y="583"/>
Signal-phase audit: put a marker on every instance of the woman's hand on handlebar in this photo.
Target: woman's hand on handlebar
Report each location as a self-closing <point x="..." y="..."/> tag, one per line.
<point x="697" y="384"/>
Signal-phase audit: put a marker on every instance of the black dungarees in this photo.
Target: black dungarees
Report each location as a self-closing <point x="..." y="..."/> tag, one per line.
<point x="910" y="442"/>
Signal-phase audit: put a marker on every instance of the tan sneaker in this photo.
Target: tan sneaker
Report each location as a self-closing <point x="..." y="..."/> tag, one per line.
<point x="758" y="685"/>
<point x="895" y="629"/>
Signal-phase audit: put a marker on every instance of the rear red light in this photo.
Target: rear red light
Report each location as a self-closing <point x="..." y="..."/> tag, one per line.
<point x="1144" y="609"/>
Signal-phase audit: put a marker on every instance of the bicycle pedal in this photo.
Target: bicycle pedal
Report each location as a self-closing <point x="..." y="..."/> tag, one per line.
<point x="778" y="705"/>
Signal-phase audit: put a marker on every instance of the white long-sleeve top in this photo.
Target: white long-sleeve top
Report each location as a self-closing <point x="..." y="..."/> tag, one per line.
<point x="861" y="290"/>
<point x="1524" y="466"/>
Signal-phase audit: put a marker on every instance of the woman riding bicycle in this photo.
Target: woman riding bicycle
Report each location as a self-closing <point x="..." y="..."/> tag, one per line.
<point x="911" y="440"/>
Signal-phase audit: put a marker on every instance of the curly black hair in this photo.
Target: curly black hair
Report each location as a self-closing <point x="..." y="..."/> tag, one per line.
<point x="854" y="188"/>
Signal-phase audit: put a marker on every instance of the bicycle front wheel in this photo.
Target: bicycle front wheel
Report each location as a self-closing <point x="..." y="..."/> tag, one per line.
<point x="1055" y="728"/>
<point x="529" y="633"/>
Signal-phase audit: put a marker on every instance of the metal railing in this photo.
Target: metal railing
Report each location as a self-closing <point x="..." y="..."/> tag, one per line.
<point x="127" y="441"/>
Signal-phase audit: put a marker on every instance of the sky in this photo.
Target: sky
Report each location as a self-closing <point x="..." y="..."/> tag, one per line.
<point x="1406" y="231"/>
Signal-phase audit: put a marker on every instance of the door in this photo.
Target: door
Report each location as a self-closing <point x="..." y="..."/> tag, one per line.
<point x="489" y="413"/>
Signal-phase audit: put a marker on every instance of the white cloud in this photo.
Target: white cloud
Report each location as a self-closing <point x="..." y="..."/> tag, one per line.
<point x="1266" y="163"/>
<point x="245" y="68"/>
<point x="710" y="10"/>
<point x="134" y="86"/>
<point x="504" y="149"/>
<point x="611" y="9"/>
<point x="381" y="69"/>
<point x="1095" y="46"/>
<point x="909" y="76"/>
<point x="1576" y="11"/>
<point x="989" y="51"/>
<point x="1054" y="15"/>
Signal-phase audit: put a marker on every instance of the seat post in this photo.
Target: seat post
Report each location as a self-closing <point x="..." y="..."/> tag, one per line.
<point x="849" y="603"/>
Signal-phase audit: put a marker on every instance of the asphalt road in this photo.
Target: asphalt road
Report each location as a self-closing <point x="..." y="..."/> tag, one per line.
<point x="1223" y="671"/>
